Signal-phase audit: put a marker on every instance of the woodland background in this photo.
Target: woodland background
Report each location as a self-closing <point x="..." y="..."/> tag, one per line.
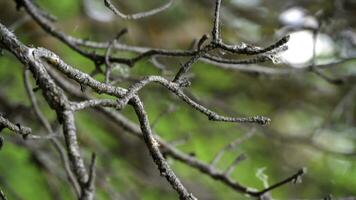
<point x="313" y="120"/>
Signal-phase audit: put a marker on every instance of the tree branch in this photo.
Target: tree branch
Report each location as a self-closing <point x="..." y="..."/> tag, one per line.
<point x="140" y="15"/>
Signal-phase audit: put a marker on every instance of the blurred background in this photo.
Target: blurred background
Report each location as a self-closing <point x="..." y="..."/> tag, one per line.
<point x="313" y="120"/>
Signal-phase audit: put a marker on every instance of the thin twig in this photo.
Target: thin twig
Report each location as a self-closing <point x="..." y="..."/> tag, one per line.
<point x="232" y="145"/>
<point x="163" y="113"/>
<point x="17" y="128"/>
<point x="91" y="179"/>
<point x="292" y="178"/>
<point x="157" y="156"/>
<point x="2" y="195"/>
<point x="109" y="66"/>
<point x="140" y="15"/>
<point x="54" y="96"/>
<point x="34" y="58"/>
<point x="57" y="145"/>
<point x="216" y="29"/>
<point x="233" y="165"/>
<point x="126" y="95"/>
<point x="186" y="66"/>
<point x="167" y="148"/>
<point x="314" y="68"/>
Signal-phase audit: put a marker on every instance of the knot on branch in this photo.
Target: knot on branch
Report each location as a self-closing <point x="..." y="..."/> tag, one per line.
<point x="184" y="82"/>
<point x="299" y="174"/>
<point x="202" y="40"/>
<point x="212" y="116"/>
<point x="120" y="104"/>
<point x="25" y="131"/>
<point x="261" y="120"/>
<point x="163" y="173"/>
<point x="192" y="197"/>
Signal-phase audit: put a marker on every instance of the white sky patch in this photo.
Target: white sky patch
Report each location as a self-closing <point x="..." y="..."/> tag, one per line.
<point x="297" y="17"/>
<point x="293" y="16"/>
<point x="244" y="3"/>
<point x="97" y="11"/>
<point x="334" y="142"/>
<point x="300" y="48"/>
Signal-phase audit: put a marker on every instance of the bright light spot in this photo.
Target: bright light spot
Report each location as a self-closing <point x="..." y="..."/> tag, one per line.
<point x="324" y="45"/>
<point x="293" y="16"/>
<point x="297" y="17"/>
<point x="300" y="48"/>
<point x="97" y="11"/>
<point x="334" y="142"/>
<point x="342" y="166"/>
<point x="311" y="22"/>
<point x="260" y="174"/>
<point x="244" y="3"/>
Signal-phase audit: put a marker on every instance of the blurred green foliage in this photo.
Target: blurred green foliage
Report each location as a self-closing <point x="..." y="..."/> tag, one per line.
<point x="297" y="105"/>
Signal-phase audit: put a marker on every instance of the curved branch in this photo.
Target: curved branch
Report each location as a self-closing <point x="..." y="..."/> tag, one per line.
<point x="50" y="28"/>
<point x="58" y="146"/>
<point x="2" y="195"/>
<point x="157" y="156"/>
<point x="85" y="79"/>
<point x="55" y="97"/>
<point x="139" y="15"/>
<point x="17" y="128"/>
<point x="167" y="148"/>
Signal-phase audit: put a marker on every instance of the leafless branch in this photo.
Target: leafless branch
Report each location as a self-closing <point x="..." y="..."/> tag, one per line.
<point x="169" y="150"/>
<point x="17" y="128"/>
<point x="216" y="29"/>
<point x="292" y="178"/>
<point x="58" y="146"/>
<point x="233" y="165"/>
<point x="47" y="69"/>
<point x="231" y="145"/>
<point x="107" y="55"/>
<point x="140" y="15"/>
<point x="2" y="195"/>
<point x="55" y="98"/>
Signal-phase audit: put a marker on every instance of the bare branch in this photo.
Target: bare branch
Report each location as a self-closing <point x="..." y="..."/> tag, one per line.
<point x="216" y="29"/>
<point x="233" y="165"/>
<point x="125" y="95"/>
<point x="145" y="52"/>
<point x="170" y="150"/>
<point x="157" y="156"/>
<point x="17" y="128"/>
<point x="140" y="15"/>
<point x="55" y="97"/>
<point x="165" y="112"/>
<point x="50" y="28"/>
<point x="58" y="146"/>
<point x="292" y="178"/>
<point x="91" y="179"/>
<point x="42" y="63"/>
<point x="107" y="55"/>
<point x="232" y="145"/>
<point x="96" y="103"/>
<point x="202" y="40"/>
<point x="186" y="66"/>
<point x="250" y="50"/>
<point x="2" y="195"/>
<point x="175" y="88"/>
